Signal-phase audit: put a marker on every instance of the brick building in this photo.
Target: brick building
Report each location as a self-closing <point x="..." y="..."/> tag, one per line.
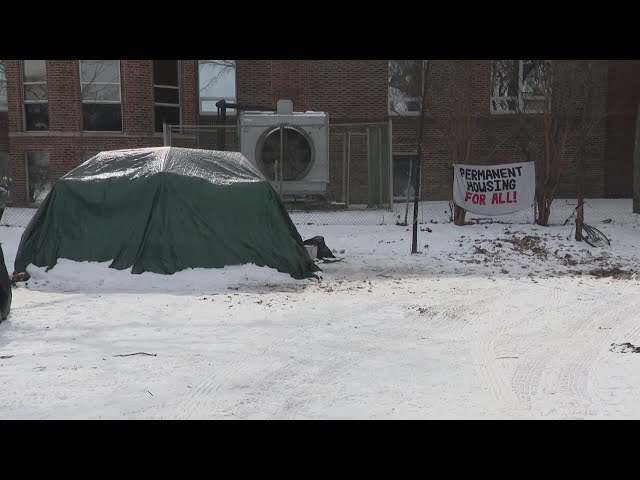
<point x="56" y="113"/>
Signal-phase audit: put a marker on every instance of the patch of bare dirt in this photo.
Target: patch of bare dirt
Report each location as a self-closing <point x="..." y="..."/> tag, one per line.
<point x="612" y="272"/>
<point x="528" y="243"/>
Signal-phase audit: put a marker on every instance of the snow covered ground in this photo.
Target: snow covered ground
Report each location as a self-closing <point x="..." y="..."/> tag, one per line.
<point x="488" y="321"/>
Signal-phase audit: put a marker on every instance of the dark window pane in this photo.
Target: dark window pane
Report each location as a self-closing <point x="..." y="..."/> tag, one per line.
<point x="533" y="77"/>
<point x="105" y="117"/>
<point x="102" y="71"/>
<point x="35" y="71"/>
<point x="504" y="81"/>
<point x="504" y="104"/>
<point x="101" y="92"/>
<point x="165" y="72"/>
<point x="403" y="166"/>
<point x="39" y="176"/>
<point x="168" y="114"/>
<point x="167" y="95"/>
<point x="36" y="91"/>
<point x="36" y="116"/>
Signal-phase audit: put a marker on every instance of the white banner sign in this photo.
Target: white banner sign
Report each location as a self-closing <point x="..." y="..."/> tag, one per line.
<point x="494" y="189"/>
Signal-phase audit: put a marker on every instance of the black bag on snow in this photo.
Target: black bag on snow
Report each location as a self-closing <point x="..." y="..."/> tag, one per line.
<point x="323" y="250"/>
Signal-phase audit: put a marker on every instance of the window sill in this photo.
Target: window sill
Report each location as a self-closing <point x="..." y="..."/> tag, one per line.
<point x="179" y="136"/>
<point x="75" y="134"/>
<point x="405" y="114"/>
<point x="499" y="112"/>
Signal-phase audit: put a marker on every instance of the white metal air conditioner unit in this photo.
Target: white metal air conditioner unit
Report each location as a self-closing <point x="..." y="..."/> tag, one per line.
<point x="300" y="138"/>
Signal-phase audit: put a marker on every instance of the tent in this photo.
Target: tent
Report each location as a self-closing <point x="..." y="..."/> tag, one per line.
<point x="164" y="210"/>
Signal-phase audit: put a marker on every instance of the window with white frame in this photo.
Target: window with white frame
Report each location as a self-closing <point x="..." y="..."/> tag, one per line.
<point x="403" y="170"/>
<point x="405" y="86"/>
<point x="517" y="86"/>
<point x="216" y="81"/>
<point x="101" y="95"/>
<point x="38" y="176"/>
<point x="5" y="174"/>
<point x="36" y="105"/>
<point x="166" y="86"/>
<point x="3" y="87"/>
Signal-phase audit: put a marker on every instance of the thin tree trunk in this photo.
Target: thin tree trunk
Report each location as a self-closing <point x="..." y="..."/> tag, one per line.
<point x="580" y="212"/>
<point x="421" y="122"/>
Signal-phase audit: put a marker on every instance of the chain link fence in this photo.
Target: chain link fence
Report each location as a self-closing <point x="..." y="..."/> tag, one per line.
<point x="344" y="175"/>
<point x="596" y="211"/>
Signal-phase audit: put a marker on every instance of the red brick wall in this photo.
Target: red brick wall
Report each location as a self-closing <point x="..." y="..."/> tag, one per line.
<point x="188" y="101"/>
<point x="4" y="132"/>
<point x="63" y="86"/>
<point x="493" y="135"/>
<point x="623" y="98"/>
<point x="14" y="94"/>
<point x="138" y="114"/>
<point x="350" y="91"/>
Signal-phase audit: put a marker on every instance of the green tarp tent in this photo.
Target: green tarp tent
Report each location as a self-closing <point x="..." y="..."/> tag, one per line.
<point x="163" y="210"/>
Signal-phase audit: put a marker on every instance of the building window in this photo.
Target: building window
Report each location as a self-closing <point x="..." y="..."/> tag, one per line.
<point x="3" y="87"/>
<point x="403" y="165"/>
<point x="216" y="81"/>
<point x="5" y="174"/>
<point x="405" y="86"/>
<point x="38" y="176"/>
<point x="517" y="86"/>
<point x="101" y="100"/>
<point x="166" y="86"/>
<point x="36" y="106"/>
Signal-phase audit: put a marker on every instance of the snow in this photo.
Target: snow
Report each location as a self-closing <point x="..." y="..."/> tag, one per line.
<point x="488" y="321"/>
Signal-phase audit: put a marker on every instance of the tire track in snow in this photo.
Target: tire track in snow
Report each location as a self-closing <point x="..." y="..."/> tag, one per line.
<point x="457" y="315"/>
<point x="201" y="401"/>
<point x="568" y="355"/>
<point x="482" y="348"/>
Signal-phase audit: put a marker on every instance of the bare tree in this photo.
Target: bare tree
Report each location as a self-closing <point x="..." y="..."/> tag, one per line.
<point x="568" y="112"/>
<point x="219" y="67"/>
<point x="460" y="128"/>
<point x="408" y="80"/>
<point x="590" y="116"/>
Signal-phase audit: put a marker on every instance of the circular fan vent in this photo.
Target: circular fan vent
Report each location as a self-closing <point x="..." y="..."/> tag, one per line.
<point x="297" y="153"/>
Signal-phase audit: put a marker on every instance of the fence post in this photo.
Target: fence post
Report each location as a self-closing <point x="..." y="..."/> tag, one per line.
<point x="390" y="139"/>
<point x="344" y="167"/>
<point x="165" y="136"/>
<point x="636" y="166"/>
<point x="348" y="163"/>
<point x="281" y="157"/>
<point x="380" y="162"/>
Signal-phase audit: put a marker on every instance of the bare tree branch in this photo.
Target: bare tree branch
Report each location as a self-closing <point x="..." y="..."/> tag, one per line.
<point x="219" y="69"/>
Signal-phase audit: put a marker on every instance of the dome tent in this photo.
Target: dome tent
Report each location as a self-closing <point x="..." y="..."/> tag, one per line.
<point x="164" y="210"/>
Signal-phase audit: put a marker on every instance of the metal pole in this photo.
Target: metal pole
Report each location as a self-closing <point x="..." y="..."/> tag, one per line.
<point x="221" y="133"/>
<point x="636" y="167"/>
<point x="380" y="160"/>
<point x="369" y="168"/>
<point x="165" y="138"/>
<point x="281" y="156"/>
<point x="390" y="133"/>
<point x="344" y="167"/>
<point x="348" y="164"/>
